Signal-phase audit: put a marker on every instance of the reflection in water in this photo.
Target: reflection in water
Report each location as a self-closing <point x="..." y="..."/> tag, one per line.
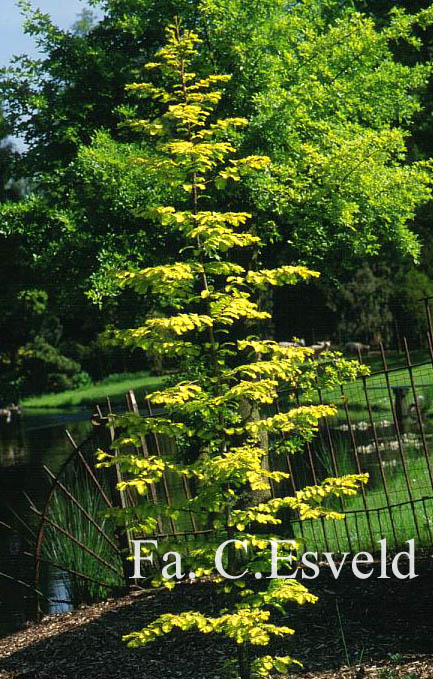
<point x="13" y="455"/>
<point x="26" y="444"/>
<point x="13" y="451"/>
<point x="58" y="591"/>
<point x="13" y="597"/>
<point x="378" y="451"/>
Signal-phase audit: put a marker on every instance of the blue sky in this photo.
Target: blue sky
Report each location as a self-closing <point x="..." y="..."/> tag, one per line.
<point x="14" y="41"/>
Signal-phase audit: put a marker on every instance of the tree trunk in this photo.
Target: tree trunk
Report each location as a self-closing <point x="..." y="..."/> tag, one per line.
<point x="244" y="662"/>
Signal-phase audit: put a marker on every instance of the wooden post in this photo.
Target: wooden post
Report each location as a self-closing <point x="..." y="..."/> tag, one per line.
<point x="401" y="406"/>
<point x="123" y="534"/>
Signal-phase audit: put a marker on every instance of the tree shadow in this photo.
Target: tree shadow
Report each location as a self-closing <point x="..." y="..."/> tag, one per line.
<point x="354" y="620"/>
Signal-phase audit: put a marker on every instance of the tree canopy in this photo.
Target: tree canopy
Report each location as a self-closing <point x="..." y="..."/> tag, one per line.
<point x="331" y="98"/>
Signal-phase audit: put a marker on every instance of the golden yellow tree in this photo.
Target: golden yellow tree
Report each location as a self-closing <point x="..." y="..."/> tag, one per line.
<point x="209" y="310"/>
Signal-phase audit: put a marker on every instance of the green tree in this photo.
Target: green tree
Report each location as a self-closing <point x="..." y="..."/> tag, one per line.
<point x="363" y="305"/>
<point x="326" y="97"/>
<point x="412" y="286"/>
<point x="10" y="189"/>
<point x="319" y="81"/>
<point x="84" y="23"/>
<point x="209" y="309"/>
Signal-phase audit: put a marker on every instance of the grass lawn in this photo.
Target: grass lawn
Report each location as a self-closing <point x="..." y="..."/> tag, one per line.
<point x="114" y="386"/>
<point x="395" y="359"/>
<point x="362" y="530"/>
<point x="414" y="517"/>
<point x="377" y="388"/>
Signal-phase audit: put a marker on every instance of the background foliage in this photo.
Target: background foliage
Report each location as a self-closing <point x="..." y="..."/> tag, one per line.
<point x="338" y="96"/>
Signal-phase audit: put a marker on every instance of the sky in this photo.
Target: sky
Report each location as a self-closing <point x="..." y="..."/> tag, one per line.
<point x="14" y="41"/>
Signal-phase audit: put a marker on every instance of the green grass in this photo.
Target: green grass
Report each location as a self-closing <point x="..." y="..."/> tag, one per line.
<point x="60" y="550"/>
<point x="114" y="386"/>
<point x="362" y="530"/>
<point x="378" y="393"/>
<point x="395" y="359"/>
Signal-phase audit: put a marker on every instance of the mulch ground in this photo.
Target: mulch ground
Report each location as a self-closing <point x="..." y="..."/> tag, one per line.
<point x="372" y="629"/>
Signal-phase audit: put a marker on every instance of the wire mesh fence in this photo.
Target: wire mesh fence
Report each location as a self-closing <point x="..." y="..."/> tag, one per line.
<point x="384" y="426"/>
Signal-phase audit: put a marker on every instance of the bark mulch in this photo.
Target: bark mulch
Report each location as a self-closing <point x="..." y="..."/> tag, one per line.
<point x="372" y="629"/>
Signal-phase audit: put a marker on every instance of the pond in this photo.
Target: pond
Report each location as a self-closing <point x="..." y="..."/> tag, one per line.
<point x="35" y="439"/>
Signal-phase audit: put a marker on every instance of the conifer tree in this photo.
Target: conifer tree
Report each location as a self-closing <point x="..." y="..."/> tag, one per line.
<point x="208" y="322"/>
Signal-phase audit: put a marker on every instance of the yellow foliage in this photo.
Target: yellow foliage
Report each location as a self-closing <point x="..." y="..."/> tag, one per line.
<point x="230" y="375"/>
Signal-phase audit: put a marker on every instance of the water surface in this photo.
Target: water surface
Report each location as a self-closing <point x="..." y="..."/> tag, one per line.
<point x="37" y="438"/>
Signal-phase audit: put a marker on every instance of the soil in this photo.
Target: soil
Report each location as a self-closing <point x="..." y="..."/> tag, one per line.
<point x="372" y="629"/>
